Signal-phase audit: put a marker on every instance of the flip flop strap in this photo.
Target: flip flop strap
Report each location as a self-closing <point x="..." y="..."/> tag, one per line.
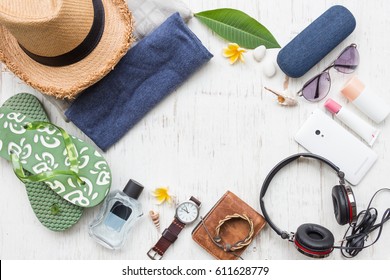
<point x="71" y="151"/>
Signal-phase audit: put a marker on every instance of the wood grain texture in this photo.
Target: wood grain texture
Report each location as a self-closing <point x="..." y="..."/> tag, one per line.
<point x="221" y="131"/>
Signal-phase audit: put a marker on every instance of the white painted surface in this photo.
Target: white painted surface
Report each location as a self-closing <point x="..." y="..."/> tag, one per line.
<point x="221" y="131"/>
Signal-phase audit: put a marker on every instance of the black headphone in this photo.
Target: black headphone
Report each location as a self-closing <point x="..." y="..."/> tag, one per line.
<point x="311" y="239"/>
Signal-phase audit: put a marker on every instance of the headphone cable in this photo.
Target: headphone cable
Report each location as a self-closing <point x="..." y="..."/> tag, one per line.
<point x="357" y="234"/>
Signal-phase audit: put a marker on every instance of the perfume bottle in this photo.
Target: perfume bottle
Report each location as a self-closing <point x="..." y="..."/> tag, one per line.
<point x="119" y="212"/>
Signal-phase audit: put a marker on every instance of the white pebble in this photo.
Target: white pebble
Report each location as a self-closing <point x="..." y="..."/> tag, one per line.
<point x="259" y="53"/>
<point x="269" y="69"/>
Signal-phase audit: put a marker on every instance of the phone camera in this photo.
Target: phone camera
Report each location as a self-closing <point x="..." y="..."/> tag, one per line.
<point x="318" y="132"/>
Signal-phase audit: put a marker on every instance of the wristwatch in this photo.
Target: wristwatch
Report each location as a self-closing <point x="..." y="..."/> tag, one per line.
<point x="186" y="213"/>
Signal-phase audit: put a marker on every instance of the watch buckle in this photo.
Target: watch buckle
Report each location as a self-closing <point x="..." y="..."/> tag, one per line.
<point x="154" y="255"/>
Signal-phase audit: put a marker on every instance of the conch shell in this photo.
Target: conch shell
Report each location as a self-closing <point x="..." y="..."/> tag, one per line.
<point x="284" y="98"/>
<point x="155" y="218"/>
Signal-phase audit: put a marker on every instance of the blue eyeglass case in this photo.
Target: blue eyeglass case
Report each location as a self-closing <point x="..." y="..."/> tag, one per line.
<point x="316" y="41"/>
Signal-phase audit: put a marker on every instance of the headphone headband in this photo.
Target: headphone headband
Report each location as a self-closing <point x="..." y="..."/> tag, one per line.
<point x="276" y="169"/>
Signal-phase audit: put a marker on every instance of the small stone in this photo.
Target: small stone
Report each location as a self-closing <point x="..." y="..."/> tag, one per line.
<point x="259" y="53"/>
<point x="269" y="69"/>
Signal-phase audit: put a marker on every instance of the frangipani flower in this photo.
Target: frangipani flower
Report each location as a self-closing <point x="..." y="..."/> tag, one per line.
<point x="234" y="52"/>
<point x="162" y="194"/>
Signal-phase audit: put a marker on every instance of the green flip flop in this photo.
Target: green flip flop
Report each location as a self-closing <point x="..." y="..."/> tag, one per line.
<point x="69" y="166"/>
<point x="52" y="211"/>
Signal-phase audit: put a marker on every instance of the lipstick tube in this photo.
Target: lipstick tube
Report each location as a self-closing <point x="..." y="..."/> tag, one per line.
<point x="366" y="100"/>
<point x="359" y="126"/>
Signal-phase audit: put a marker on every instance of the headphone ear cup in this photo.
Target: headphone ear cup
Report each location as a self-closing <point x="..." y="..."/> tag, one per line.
<point x="340" y="205"/>
<point x="314" y="240"/>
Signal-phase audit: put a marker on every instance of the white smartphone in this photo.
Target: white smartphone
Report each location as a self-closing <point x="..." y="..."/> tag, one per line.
<point x="321" y="135"/>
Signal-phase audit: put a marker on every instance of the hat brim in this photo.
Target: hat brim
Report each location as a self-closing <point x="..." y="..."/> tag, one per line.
<point x="68" y="81"/>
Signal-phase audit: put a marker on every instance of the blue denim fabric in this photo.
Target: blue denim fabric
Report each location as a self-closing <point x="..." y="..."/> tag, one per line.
<point x="152" y="69"/>
<point x="316" y="41"/>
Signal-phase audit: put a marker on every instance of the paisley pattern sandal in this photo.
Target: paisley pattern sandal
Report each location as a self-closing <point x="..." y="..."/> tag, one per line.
<point x="69" y="166"/>
<point x="52" y="211"/>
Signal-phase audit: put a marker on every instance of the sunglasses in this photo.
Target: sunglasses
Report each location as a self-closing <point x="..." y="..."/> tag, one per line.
<point x="317" y="88"/>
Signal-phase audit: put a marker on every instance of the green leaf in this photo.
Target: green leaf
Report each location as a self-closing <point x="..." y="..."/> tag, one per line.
<point x="237" y="27"/>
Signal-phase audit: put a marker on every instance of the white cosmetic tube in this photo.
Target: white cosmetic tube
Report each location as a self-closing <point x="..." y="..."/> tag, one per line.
<point x="359" y="126"/>
<point x="366" y="100"/>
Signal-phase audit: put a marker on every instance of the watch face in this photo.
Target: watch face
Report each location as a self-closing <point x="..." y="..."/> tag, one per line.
<point x="187" y="212"/>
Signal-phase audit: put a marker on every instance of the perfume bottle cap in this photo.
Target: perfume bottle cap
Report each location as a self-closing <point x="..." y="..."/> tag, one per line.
<point x="133" y="189"/>
<point x="353" y="88"/>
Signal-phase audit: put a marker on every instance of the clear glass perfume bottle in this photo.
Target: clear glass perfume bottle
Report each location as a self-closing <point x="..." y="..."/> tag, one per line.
<point x="119" y="212"/>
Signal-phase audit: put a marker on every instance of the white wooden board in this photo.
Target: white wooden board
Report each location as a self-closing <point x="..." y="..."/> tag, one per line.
<point x="221" y="131"/>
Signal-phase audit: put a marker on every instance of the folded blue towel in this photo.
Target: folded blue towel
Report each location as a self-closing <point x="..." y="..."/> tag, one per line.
<point x="151" y="70"/>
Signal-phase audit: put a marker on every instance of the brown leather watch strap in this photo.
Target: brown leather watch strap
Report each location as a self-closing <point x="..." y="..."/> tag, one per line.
<point x="168" y="237"/>
<point x="197" y="202"/>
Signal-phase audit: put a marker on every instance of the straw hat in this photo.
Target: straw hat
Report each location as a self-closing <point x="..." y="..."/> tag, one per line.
<point x="61" y="47"/>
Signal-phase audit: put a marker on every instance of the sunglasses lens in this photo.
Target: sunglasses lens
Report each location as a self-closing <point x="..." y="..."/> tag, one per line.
<point x="317" y="88"/>
<point x="348" y="60"/>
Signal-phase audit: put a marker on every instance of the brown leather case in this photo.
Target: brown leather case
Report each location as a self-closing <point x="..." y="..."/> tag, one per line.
<point x="232" y="231"/>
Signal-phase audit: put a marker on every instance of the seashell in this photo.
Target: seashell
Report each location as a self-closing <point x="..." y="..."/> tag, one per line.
<point x="269" y="69"/>
<point x="284" y="98"/>
<point x="155" y="218"/>
<point x="259" y="53"/>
